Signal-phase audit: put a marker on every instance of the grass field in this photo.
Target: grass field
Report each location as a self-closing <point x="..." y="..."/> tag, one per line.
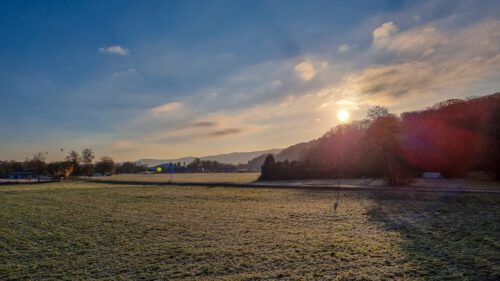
<point x="185" y="177"/>
<point x="79" y="230"/>
<point x="251" y="177"/>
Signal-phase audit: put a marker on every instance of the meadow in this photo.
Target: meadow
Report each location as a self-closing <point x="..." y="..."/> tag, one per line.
<point x="82" y="230"/>
<point x="185" y="177"/>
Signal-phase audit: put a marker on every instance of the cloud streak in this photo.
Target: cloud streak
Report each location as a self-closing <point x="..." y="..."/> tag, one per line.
<point x="204" y="124"/>
<point x="225" y="132"/>
<point x="167" y="108"/>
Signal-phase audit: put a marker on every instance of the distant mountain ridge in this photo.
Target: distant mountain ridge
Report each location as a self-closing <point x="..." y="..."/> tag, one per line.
<point x="229" y="158"/>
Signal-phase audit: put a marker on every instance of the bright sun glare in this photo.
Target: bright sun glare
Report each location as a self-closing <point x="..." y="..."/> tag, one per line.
<point x="343" y="115"/>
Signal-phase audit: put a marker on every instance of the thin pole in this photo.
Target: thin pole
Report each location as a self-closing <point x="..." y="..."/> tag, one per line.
<point x="339" y="154"/>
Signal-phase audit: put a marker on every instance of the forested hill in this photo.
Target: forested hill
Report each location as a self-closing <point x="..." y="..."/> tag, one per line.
<point x="454" y="137"/>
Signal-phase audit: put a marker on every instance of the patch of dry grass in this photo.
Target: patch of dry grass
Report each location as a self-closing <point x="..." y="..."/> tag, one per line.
<point x="185" y="177"/>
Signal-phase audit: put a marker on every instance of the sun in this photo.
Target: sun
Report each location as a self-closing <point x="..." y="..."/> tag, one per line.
<point x="343" y="115"/>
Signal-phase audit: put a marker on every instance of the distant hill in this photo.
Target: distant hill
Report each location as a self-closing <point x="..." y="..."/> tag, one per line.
<point x="295" y="152"/>
<point x="292" y="153"/>
<point x="255" y="164"/>
<point x="155" y="162"/>
<point x="229" y="158"/>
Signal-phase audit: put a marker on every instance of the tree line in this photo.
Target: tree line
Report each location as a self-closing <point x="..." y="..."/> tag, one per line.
<point x="199" y="166"/>
<point x="82" y="164"/>
<point x="74" y="164"/>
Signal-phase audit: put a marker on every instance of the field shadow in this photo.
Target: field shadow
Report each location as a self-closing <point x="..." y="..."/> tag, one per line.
<point x="445" y="236"/>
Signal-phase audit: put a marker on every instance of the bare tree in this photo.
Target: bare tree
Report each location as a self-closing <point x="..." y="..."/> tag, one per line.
<point x="74" y="158"/>
<point x="37" y="164"/>
<point x="105" y="166"/>
<point x="88" y="157"/>
<point x="378" y="111"/>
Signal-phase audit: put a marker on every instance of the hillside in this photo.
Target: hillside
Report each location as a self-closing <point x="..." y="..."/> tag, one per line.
<point x="291" y="153"/>
<point x="295" y="152"/>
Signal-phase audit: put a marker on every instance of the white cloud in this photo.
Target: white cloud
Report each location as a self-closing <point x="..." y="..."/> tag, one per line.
<point x="114" y="50"/>
<point x="418" y="41"/>
<point x="129" y="73"/>
<point x="383" y="33"/>
<point x="166" y="108"/>
<point x="212" y="95"/>
<point x="305" y="70"/>
<point x="344" y="48"/>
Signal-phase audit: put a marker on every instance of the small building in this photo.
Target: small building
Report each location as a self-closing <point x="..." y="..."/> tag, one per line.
<point x="22" y="175"/>
<point x="432" y="175"/>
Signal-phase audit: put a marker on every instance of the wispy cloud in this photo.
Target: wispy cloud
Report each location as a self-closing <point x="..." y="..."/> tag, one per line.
<point x="166" y="108"/>
<point x="419" y="41"/>
<point x="114" y="50"/>
<point x="344" y="49"/>
<point x="276" y="83"/>
<point x="204" y="124"/>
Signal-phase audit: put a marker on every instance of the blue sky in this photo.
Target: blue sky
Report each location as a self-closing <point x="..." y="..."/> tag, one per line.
<point x="164" y="79"/>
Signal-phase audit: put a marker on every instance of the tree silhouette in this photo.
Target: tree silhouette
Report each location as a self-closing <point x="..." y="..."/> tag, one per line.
<point x="87" y="159"/>
<point x="74" y="158"/>
<point x="383" y="151"/>
<point x="60" y="169"/>
<point x="105" y="166"/>
<point x="37" y="164"/>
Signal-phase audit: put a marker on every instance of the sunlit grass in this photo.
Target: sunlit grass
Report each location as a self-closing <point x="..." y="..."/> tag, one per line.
<point x="99" y="231"/>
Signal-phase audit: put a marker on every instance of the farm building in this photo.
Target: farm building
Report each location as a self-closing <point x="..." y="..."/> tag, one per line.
<point x="431" y="175"/>
<point x="22" y="175"/>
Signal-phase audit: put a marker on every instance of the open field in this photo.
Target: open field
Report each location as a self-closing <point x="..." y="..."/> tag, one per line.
<point x="185" y="177"/>
<point x="79" y="230"/>
<point x="248" y="180"/>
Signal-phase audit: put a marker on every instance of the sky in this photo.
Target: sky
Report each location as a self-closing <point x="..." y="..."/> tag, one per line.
<point x="167" y="79"/>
